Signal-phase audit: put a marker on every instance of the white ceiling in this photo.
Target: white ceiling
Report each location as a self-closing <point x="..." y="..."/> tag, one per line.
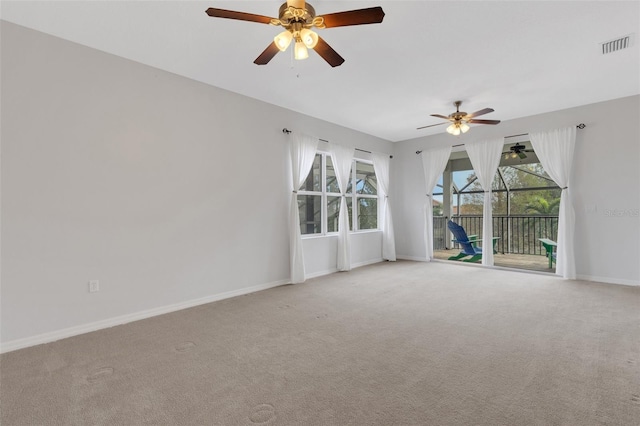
<point x="518" y="57"/>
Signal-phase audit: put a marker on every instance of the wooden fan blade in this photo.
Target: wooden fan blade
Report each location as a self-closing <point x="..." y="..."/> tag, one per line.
<point x="267" y="55"/>
<point x="481" y="112"/>
<point x="431" y="125"/>
<point x="241" y="16"/>
<point x="473" y="120"/>
<point x="372" y="15"/>
<point x="440" y="116"/>
<point x="327" y="53"/>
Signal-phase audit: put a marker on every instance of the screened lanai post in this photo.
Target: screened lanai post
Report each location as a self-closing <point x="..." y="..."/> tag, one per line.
<point x="302" y="149"/>
<point x="433" y="163"/>
<point x="554" y="149"/>
<point x="447" y="184"/>
<point x="342" y="157"/>
<point x="381" y="163"/>
<point x="485" y="158"/>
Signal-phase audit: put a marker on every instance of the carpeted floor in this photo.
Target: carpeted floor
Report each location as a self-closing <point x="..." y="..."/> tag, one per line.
<point x="403" y="343"/>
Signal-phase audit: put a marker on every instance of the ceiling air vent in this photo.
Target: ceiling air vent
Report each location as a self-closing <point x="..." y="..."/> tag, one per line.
<point x="620" y="43"/>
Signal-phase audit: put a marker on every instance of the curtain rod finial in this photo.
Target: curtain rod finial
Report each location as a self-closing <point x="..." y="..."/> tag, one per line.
<point x="581" y="126"/>
<point x="285" y="130"/>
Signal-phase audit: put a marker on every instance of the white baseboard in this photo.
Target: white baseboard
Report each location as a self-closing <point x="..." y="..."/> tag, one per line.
<point x="320" y="273"/>
<point x="52" y="336"/>
<point x="413" y="258"/>
<point x="609" y="280"/>
<point x="367" y="262"/>
<point x="333" y="270"/>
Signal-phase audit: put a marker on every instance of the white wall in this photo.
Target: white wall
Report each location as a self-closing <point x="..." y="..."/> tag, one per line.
<point x="605" y="176"/>
<point x="168" y="191"/>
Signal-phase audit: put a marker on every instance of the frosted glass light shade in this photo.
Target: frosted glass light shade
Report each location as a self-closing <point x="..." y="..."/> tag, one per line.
<point x="301" y="51"/>
<point x="283" y="40"/>
<point x="456" y="128"/>
<point x="309" y="38"/>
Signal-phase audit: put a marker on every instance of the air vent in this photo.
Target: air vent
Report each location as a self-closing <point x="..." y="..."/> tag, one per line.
<point x="620" y="43"/>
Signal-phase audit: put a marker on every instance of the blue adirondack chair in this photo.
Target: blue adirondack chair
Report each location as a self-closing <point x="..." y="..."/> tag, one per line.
<point x="467" y="244"/>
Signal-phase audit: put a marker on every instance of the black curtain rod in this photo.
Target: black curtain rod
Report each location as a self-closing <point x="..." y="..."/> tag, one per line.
<point x="287" y="131"/>
<point x="579" y="126"/>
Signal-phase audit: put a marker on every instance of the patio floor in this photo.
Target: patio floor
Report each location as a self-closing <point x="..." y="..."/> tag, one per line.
<point x="529" y="262"/>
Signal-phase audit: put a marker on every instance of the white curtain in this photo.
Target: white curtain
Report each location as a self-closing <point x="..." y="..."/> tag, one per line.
<point x="303" y="152"/>
<point x="555" y="150"/>
<point x="342" y="158"/>
<point x="381" y="165"/>
<point x="433" y="163"/>
<point x="485" y="159"/>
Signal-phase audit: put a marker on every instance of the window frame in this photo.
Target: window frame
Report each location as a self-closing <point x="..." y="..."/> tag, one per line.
<point x="325" y="194"/>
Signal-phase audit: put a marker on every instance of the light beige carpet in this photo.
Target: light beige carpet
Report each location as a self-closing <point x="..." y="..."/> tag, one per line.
<point x="390" y="344"/>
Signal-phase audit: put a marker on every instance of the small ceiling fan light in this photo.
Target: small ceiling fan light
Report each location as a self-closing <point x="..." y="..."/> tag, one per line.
<point x="283" y="40"/>
<point x="451" y="129"/>
<point x="301" y="51"/>
<point x="506" y="156"/>
<point x="514" y="155"/>
<point x="309" y="38"/>
<point x="464" y="127"/>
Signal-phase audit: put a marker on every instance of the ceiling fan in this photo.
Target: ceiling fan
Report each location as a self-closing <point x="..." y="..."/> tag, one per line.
<point x="297" y="18"/>
<point x="460" y="119"/>
<point x="516" y="151"/>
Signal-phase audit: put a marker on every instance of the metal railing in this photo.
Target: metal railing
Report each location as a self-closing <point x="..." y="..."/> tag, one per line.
<point x="518" y="234"/>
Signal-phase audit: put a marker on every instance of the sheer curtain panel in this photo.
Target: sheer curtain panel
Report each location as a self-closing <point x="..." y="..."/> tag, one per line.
<point x="381" y="163"/>
<point x="555" y="149"/>
<point x="342" y="157"/>
<point x="303" y="151"/>
<point x="433" y="163"/>
<point x="485" y="159"/>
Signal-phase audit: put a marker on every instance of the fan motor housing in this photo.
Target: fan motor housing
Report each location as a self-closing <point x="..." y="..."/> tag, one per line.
<point x="302" y="15"/>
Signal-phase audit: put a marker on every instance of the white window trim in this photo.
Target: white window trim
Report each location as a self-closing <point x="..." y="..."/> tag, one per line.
<point x="354" y="199"/>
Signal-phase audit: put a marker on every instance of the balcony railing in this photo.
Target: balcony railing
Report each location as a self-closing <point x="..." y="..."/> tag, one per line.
<point x="518" y="234"/>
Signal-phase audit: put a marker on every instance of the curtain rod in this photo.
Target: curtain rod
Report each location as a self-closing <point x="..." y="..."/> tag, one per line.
<point x="287" y="131"/>
<point x="579" y="126"/>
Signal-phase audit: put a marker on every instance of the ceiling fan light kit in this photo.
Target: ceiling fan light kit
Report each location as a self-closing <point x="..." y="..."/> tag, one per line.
<point x="516" y="151"/>
<point x="297" y="18"/>
<point x="457" y="128"/>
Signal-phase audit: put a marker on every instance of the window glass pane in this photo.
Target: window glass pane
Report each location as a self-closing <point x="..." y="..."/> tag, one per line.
<point x="350" y="184"/>
<point x="367" y="213"/>
<point x="312" y="183"/>
<point x="332" y="183"/>
<point x="309" y="207"/>
<point x="333" y="208"/>
<point x="366" y="182"/>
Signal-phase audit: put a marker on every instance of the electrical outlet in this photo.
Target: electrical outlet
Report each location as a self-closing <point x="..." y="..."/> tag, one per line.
<point x="94" y="286"/>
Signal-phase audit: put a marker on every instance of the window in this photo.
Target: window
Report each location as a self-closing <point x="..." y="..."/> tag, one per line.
<point x="319" y="197"/>
<point x="366" y="195"/>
